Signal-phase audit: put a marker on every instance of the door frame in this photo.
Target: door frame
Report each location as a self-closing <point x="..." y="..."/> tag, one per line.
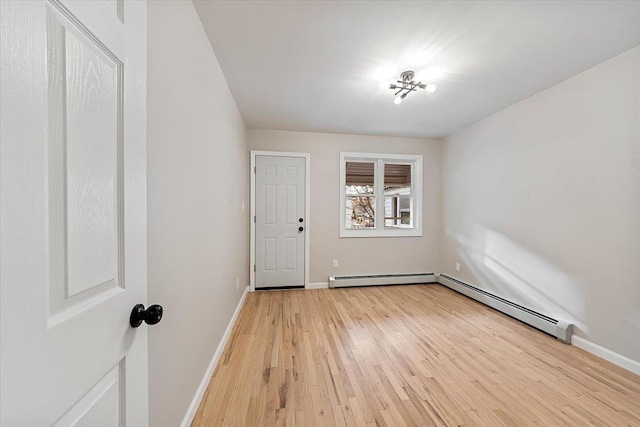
<point x="307" y="211"/>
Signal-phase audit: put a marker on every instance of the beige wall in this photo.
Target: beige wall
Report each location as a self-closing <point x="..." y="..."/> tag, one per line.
<point x="359" y="255"/>
<point x="197" y="181"/>
<point x="541" y="203"/>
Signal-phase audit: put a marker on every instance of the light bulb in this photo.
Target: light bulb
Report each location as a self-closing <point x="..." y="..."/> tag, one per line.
<point x="397" y="100"/>
<point x="431" y="88"/>
<point x="384" y="85"/>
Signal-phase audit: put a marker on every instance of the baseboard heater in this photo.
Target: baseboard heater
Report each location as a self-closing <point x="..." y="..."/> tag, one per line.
<point x="561" y="329"/>
<point x="382" y="279"/>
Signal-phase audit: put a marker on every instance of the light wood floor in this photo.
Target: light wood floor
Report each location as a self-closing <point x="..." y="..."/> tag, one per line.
<point x="416" y="355"/>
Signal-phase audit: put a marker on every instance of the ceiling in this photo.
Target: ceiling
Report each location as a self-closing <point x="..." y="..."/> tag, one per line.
<point x="317" y="65"/>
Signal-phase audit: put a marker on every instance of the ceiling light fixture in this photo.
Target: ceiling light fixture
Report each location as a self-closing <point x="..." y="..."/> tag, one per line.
<point x="406" y="84"/>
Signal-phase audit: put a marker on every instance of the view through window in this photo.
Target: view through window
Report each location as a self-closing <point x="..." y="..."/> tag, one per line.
<point x="360" y="198"/>
<point x="397" y="195"/>
<point x="380" y="195"/>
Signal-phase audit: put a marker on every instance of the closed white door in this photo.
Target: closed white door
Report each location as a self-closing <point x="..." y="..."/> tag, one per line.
<point x="73" y="212"/>
<point x="280" y="222"/>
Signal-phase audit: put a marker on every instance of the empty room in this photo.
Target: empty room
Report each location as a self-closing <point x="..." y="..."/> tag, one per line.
<point x="319" y="213"/>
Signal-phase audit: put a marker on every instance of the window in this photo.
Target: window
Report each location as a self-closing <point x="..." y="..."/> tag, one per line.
<point x="380" y="195"/>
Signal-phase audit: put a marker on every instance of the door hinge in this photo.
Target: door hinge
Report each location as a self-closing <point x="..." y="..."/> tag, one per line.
<point x="254" y="169"/>
<point x="254" y="268"/>
<point x="254" y="219"/>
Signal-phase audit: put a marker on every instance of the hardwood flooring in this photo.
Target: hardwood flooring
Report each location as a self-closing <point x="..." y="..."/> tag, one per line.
<point x="419" y="355"/>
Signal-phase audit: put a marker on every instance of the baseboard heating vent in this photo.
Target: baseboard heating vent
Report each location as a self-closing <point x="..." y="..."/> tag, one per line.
<point x="561" y="329"/>
<point x="382" y="279"/>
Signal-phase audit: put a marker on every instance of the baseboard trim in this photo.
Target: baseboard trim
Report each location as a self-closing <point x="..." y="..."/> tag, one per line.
<point x="606" y="354"/>
<point x="319" y="285"/>
<point x="197" y="399"/>
<point x="382" y="279"/>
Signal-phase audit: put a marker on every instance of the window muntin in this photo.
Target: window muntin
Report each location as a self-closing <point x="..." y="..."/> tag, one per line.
<point x="380" y="195"/>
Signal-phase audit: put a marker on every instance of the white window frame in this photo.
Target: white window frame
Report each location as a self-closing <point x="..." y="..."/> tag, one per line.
<point x="415" y="160"/>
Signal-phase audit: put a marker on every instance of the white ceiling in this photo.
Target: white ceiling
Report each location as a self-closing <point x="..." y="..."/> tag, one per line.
<point x="316" y="65"/>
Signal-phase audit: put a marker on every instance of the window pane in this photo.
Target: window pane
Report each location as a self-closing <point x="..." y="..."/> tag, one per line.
<point x="397" y="179"/>
<point x="360" y="177"/>
<point x="360" y="212"/>
<point x="397" y="191"/>
<point x="398" y="212"/>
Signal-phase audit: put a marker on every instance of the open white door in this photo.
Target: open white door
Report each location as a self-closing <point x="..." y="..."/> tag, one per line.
<point x="73" y="213"/>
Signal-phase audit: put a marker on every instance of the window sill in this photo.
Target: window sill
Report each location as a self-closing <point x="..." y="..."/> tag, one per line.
<point x="380" y="233"/>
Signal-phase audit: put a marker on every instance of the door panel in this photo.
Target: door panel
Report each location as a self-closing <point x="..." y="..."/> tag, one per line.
<point x="291" y="258"/>
<point x="83" y="180"/>
<point x="73" y="138"/>
<point x="291" y="204"/>
<point x="100" y="407"/>
<point x="280" y="204"/>
<point x="90" y="95"/>
<point x="269" y="204"/>
<point x="269" y="254"/>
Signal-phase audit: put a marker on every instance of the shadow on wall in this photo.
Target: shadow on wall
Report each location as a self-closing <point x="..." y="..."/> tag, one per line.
<point x="512" y="271"/>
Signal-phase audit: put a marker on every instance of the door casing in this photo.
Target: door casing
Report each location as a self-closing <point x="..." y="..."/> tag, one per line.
<point x="307" y="211"/>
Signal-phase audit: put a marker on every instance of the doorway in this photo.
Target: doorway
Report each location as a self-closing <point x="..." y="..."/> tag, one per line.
<point x="280" y="220"/>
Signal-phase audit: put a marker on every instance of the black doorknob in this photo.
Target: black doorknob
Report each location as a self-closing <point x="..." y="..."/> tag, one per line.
<point x="300" y="219"/>
<point x="150" y="316"/>
<point x="300" y="229"/>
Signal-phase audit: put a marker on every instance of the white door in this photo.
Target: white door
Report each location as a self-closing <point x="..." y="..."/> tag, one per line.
<point x="280" y="222"/>
<point x="73" y="213"/>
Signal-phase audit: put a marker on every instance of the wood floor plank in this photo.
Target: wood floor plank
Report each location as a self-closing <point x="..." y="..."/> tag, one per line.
<point x="416" y="355"/>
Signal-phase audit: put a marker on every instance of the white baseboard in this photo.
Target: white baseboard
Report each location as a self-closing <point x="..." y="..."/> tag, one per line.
<point x="319" y="285"/>
<point x="381" y="279"/>
<point x="606" y="354"/>
<point x="195" y="403"/>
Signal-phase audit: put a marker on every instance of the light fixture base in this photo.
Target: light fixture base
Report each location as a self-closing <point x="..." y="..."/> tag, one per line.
<point x="407" y="76"/>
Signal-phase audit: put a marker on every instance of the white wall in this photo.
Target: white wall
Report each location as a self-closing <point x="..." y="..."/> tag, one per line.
<point x="359" y="255"/>
<point x="541" y="203"/>
<point x="197" y="180"/>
